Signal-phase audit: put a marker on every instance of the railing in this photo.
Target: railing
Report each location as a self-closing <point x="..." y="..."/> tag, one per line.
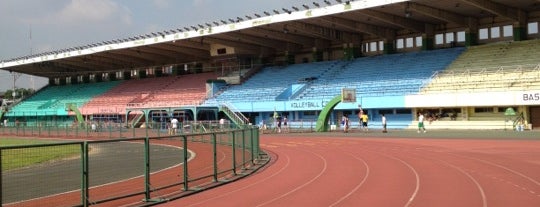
<point x="146" y="168"/>
<point x="234" y="113"/>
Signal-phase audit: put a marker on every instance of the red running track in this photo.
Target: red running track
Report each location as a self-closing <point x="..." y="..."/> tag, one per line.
<point x="319" y="171"/>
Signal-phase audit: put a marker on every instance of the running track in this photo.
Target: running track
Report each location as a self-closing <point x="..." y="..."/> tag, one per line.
<point x="359" y="171"/>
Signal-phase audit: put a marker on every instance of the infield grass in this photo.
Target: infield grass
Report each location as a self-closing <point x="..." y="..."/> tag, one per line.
<point x="25" y="157"/>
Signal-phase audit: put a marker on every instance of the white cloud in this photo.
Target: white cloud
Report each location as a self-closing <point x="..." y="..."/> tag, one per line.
<point x="162" y="4"/>
<point x="89" y="11"/>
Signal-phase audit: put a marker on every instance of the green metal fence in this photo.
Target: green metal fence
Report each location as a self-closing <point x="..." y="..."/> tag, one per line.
<point x="118" y="171"/>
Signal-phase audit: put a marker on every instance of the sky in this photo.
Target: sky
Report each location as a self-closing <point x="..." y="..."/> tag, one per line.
<point x="30" y="26"/>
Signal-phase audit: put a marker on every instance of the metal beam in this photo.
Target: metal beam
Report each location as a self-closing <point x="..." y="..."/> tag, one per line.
<point x="280" y="35"/>
<point x="359" y="27"/>
<point x="265" y="42"/>
<point x="439" y="14"/>
<point x="397" y="21"/>
<point x="495" y="8"/>
<point x="183" y="50"/>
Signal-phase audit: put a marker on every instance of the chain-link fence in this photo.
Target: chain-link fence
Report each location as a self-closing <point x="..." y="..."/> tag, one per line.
<point x="121" y="171"/>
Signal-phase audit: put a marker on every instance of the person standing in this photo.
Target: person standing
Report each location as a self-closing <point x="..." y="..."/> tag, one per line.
<point x="221" y="123"/>
<point x="174" y="125"/>
<point x="383" y="120"/>
<point x="365" y="119"/>
<point x="279" y="124"/>
<point x="285" y="124"/>
<point x="345" y="121"/>
<point x="360" y="113"/>
<point x="421" y="123"/>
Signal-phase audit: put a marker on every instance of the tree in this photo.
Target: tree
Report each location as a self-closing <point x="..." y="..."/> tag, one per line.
<point x="20" y="93"/>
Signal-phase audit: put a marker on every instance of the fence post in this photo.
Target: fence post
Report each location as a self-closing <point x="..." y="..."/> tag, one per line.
<point x="234" y="152"/>
<point x="1" y="179"/>
<point x="147" y="169"/>
<point x="252" y="141"/>
<point x="120" y="128"/>
<point x="185" y="148"/>
<point x="243" y="150"/>
<point x="214" y="155"/>
<point x="110" y="130"/>
<point x="85" y="174"/>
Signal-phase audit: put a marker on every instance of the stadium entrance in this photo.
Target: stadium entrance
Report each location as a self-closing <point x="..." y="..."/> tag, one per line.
<point x="535" y="116"/>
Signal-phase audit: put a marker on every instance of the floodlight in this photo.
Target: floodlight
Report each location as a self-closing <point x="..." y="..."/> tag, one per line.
<point x="286" y="10"/>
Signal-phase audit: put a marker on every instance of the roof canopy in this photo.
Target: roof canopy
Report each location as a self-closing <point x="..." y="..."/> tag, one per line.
<point x="287" y="30"/>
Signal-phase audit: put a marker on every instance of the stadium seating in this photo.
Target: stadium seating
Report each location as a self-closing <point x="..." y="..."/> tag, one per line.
<point x="52" y="100"/>
<point x="388" y="75"/>
<point x="396" y="74"/>
<point x="151" y="92"/>
<point x="494" y="67"/>
<point x="271" y="81"/>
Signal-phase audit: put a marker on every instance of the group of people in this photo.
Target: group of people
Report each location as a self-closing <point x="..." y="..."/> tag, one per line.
<point x="363" y="119"/>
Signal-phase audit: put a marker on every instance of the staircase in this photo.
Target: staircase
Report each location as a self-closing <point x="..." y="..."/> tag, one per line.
<point x="236" y="116"/>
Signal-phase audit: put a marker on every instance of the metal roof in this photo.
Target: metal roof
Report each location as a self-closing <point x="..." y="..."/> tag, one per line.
<point x="297" y="29"/>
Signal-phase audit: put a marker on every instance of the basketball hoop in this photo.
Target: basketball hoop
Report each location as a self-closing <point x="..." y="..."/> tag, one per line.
<point x="348" y="95"/>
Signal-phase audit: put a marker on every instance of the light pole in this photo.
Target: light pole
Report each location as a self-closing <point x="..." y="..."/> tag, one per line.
<point x="15" y="77"/>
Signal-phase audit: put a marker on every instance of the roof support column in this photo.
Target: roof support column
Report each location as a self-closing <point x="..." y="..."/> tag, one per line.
<point x="389" y="46"/>
<point x="389" y="42"/>
<point x="471" y="33"/>
<point x="289" y="58"/>
<point x="348" y="51"/>
<point x="353" y="49"/>
<point x="317" y="55"/>
<point x="428" y="38"/>
<point x="520" y="27"/>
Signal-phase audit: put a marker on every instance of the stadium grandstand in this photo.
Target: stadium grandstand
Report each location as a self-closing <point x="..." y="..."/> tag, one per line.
<point x="463" y="63"/>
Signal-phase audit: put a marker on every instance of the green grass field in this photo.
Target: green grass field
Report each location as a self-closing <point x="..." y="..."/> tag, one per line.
<point x="24" y="157"/>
